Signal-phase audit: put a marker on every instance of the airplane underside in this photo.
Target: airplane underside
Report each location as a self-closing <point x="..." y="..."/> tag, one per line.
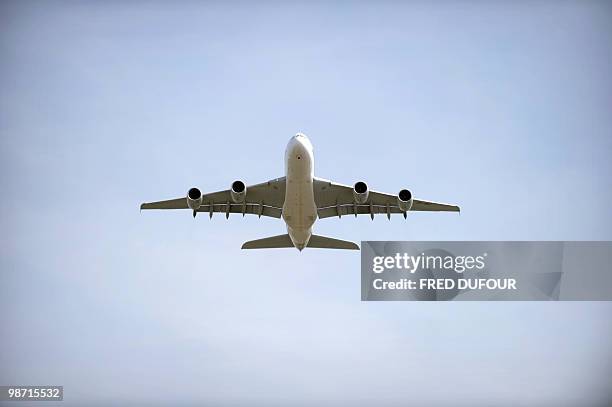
<point x="299" y="198"/>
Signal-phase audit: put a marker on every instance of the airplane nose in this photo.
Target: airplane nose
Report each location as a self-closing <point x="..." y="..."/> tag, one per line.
<point x="301" y="137"/>
<point x="303" y="141"/>
<point x="299" y="146"/>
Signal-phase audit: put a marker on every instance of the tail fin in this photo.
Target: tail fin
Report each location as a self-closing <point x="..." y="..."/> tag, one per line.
<point x="269" y="242"/>
<point x="316" y="241"/>
<point x="322" y="242"/>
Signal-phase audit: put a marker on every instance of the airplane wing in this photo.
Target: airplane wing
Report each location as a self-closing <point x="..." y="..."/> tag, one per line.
<point x="334" y="199"/>
<point x="265" y="199"/>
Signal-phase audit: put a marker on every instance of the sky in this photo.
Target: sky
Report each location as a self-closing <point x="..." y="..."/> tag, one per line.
<point x="503" y="109"/>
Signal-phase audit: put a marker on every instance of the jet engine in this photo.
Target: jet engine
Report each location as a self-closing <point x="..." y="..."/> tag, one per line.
<point x="194" y="198"/>
<point x="360" y="192"/>
<point x="238" y="191"/>
<point x="404" y="200"/>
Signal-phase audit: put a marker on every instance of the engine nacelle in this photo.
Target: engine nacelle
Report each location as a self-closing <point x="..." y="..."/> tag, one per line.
<point x="360" y="192"/>
<point x="238" y="191"/>
<point x="404" y="200"/>
<point x="194" y="198"/>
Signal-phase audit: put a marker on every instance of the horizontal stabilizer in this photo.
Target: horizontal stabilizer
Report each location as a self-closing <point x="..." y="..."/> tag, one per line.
<point x="315" y="242"/>
<point x="322" y="242"/>
<point x="272" y="242"/>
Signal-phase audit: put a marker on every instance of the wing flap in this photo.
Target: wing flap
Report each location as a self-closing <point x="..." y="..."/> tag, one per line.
<point x="246" y="208"/>
<point x="342" y="210"/>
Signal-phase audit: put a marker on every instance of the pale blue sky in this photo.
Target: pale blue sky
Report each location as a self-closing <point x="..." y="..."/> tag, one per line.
<point x="504" y="110"/>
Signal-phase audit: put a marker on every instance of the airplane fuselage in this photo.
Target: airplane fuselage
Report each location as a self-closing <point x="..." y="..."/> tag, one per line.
<point x="299" y="209"/>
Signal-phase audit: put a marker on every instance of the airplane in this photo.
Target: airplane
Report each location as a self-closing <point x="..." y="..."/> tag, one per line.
<point x="300" y="198"/>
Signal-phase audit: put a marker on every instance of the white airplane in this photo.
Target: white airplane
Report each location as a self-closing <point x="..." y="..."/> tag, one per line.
<point x="300" y="198"/>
